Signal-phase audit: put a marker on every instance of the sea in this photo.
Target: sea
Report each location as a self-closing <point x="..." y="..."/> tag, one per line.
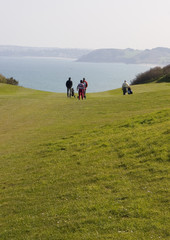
<point x="51" y="74"/>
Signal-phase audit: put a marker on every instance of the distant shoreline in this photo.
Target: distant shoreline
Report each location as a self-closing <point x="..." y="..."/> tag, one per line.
<point x="59" y="58"/>
<point x="159" y="55"/>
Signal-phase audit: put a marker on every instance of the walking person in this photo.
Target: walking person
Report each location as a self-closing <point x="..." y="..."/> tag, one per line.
<point x="125" y="87"/>
<point x="85" y="86"/>
<point x="80" y="88"/>
<point x="69" y="85"/>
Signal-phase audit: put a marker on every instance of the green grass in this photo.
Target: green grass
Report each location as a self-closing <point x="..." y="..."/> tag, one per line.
<point x="84" y="170"/>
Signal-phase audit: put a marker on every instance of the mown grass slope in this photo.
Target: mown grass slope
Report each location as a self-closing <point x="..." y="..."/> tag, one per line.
<point x="93" y="169"/>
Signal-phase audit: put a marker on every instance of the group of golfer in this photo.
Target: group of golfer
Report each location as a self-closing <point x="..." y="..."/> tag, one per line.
<point x="81" y="88"/>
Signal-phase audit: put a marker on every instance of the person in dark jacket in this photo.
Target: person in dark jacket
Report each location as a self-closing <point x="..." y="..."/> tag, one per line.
<point x="69" y="85"/>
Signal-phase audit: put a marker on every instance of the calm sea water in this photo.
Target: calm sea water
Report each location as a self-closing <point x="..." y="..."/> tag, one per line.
<point x="50" y="74"/>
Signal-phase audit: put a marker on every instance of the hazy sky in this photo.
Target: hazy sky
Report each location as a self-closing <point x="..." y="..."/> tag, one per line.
<point x="93" y="24"/>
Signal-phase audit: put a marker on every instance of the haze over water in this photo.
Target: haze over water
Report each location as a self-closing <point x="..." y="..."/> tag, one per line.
<point x="50" y="74"/>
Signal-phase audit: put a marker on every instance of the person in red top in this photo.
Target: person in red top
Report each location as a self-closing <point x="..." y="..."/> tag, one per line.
<point x="80" y="89"/>
<point x="85" y="86"/>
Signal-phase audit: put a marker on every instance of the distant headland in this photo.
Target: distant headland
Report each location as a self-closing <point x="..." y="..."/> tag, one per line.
<point x="159" y="55"/>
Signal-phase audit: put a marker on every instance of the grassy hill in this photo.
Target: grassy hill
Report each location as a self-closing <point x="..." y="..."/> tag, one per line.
<point x="93" y="169"/>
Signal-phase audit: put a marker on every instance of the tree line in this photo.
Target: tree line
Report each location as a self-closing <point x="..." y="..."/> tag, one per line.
<point x="156" y="74"/>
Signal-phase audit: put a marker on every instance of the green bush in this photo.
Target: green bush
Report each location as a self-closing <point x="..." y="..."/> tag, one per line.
<point x="166" y="69"/>
<point x="8" y="80"/>
<point x="12" y="81"/>
<point x="2" y="79"/>
<point x="165" y="78"/>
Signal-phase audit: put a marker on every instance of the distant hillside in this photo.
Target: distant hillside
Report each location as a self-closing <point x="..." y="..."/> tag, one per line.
<point x="109" y="55"/>
<point x="18" y="51"/>
<point x="153" y="56"/>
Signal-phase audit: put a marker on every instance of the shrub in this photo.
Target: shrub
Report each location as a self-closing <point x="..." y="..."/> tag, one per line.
<point x="166" y="69"/>
<point x="2" y="79"/>
<point x="8" y="80"/>
<point x="12" y="81"/>
<point x="165" y="78"/>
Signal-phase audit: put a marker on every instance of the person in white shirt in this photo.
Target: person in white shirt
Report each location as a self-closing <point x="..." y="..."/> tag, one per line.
<point x="125" y="87"/>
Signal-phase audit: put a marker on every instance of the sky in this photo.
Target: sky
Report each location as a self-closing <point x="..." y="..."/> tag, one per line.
<point x="92" y="24"/>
